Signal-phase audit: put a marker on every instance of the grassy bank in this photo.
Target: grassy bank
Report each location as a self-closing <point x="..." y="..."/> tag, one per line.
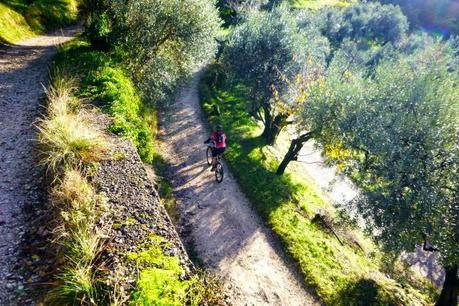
<point x="20" y="19"/>
<point x="344" y="269"/>
<point x="73" y="143"/>
<point x="103" y="80"/>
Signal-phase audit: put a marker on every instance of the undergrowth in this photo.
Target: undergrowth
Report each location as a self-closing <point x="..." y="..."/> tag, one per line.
<point x="102" y="79"/>
<point x="21" y="19"/>
<point x="346" y="272"/>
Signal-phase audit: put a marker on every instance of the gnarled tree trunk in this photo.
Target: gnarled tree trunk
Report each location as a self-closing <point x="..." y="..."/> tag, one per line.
<point x="295" y="147"/>
<point x="273" y="125"/>
<point x="450" y="291"/>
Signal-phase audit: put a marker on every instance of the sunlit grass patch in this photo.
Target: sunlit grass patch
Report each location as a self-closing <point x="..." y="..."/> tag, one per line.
<point x="69" y="140"/>
<point x="317" y="4"/>
<point x="13" y="26"/>
<point x="20" y="19"/>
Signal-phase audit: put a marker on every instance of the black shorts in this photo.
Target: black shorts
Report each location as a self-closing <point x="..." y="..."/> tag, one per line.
<point x="217" y="151"/>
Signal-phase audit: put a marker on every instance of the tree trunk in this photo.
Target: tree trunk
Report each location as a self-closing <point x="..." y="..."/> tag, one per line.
<point x="450" y="291"/>
<point x="292" y="154"/>
<point x="273" y="126"/>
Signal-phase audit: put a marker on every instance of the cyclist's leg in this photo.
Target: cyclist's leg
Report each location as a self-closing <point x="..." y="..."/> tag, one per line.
<point x="214" y="158"/>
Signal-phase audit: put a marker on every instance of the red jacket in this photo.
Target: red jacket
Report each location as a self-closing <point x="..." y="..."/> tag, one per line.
<point x="219" y="138"/>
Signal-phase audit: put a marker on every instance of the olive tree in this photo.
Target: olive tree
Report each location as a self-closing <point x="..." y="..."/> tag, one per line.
<point x="365" y="22"/>
<point x="165" y="40"/>
<point x="268" y="53"/>
<point x="404" y="134"/>
<point x="324" y="100"/>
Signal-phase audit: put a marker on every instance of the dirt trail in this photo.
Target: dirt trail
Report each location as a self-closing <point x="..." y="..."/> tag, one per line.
<point x="23" y="70"/>
<point x="217" y="219"/>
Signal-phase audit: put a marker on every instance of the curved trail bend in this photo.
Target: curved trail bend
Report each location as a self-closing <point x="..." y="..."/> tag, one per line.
<point x="23" y="70"/>
<point x="217" y="219"/>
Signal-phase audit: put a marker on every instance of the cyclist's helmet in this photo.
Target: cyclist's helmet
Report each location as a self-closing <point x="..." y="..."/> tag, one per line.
<point x="219" y="128"/>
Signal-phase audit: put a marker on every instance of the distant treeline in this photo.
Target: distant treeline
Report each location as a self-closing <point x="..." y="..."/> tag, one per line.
<point x="440" y="16"/>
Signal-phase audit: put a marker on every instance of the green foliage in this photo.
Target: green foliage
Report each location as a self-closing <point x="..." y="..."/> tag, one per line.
<point x="269" y="52"/>
<point x="104" y="81"/>
<point x="43" y="15"/>
<point x="13" y="26"/>
<point x="405" y="126"/>
<point x="340" y="274"/>
<point x="164" y="41"/>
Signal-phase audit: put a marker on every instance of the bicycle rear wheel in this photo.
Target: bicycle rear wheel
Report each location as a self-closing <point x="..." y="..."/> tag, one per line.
<point x="209" y="155"/>
<point x="219" y="172"/>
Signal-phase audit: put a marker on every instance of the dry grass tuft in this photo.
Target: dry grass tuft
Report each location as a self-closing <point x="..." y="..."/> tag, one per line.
<point x="78" y="239"/>
<point x="67" y="137"/>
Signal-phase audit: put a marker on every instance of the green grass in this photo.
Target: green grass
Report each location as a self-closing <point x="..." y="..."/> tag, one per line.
<point x="317" y="4"/>
<point x="13" y="26"/>
<point x="348" y="274"/>
<point x="20" y="20"/>
<point x="103" y="80"/>
<point x="160" y="281"/>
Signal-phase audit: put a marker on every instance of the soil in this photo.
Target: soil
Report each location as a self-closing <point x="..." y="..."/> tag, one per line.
<point x="23" y="71"/>
<point x="217" y="219"/>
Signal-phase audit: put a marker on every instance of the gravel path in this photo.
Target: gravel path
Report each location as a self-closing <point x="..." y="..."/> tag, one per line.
<point x="217" y="219"/>
<point x="23" y="70"/>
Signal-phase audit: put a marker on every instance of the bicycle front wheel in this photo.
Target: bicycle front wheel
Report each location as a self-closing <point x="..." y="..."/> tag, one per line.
<point x="219" y="172"/>
<point x="209" y="155"/>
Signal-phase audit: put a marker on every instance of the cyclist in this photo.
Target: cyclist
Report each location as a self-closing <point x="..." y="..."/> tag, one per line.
<point x="219" y="138"/>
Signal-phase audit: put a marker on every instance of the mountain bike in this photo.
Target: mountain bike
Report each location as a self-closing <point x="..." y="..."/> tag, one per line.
<point x="219" y="172"/>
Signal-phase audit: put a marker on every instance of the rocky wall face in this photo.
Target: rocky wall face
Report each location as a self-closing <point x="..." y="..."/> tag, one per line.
<point x="134" y="213"/>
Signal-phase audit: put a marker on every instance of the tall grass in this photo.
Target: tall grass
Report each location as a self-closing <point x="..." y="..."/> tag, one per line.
<point x="69" y="141"/>
<point x="77" y="239"/>
<point x="67" y="136"/>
